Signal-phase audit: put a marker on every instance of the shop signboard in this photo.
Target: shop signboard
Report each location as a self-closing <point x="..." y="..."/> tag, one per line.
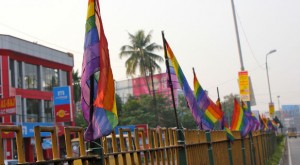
<point x="8" y="106"/>
<point x="62" y="104"/>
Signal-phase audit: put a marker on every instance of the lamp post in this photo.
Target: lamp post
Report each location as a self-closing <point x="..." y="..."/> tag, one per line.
<point x="279" y="109"/>
<point x="271" y="105"/>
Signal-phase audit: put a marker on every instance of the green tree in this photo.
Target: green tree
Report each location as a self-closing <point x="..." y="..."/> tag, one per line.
<point x="135" y="111"/>
<point x="119" y="104"/>
<point x="79" y="120"/>
<point x="140" y="55"/>
<point x="185" y="116"/>
<point x="76" y="86"/>
<point x="228" y="104"/>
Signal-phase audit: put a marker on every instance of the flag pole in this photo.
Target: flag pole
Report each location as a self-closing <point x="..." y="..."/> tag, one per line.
<point x="170" y="80"/>
<point x="181" y="141"/>
<point x="201" y="127"/>
<point x="229" y="148"/>
<point x="93" y="146"/>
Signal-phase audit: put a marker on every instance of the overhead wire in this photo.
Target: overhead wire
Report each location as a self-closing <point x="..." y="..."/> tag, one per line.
<point x="248" y="43"/>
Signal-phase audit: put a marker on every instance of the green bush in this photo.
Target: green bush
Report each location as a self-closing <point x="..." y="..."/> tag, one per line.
<point x="278" y="151"/>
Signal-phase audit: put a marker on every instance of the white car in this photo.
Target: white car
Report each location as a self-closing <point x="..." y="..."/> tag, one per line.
<point x="11" y="162"/>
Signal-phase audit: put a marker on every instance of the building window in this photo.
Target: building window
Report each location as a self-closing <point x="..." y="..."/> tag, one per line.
<point x="12" y="72"/>
<point x="19" y="73"/>
<point x="48" y="105"/>
<point x="50" y="78"/>
<point x="0" y="74"/>
<point x="13" y="118"/>
<point x="64" y="78"/>
<point x="33" y="110"/>
<point x="31" y="76"/>
<point x="15" y="70"/>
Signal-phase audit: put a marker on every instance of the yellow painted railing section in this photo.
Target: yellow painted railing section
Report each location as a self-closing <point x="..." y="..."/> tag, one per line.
<point x="152" y="146"/>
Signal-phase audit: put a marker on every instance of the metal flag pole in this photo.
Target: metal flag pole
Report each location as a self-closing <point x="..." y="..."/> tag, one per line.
<point x="181" y="141"/>
<point x="252" y="152"/>
<point x="92" y="145"/>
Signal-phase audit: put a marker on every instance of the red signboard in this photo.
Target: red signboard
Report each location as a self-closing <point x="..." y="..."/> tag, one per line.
<point x="8" y="106"/>
<point x="62" y="113"/>
<point x="60" y="130"/>
<point x="8" y="134"/>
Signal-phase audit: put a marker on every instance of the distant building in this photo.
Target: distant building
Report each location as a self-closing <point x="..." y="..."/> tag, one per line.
<point x="291" y="116"/>
<point x="28" y="74"/>
<point x="138" y="86"/>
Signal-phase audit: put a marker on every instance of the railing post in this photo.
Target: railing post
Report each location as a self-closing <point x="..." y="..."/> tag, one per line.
<point x="264" y="147"/>
<point x="252" y="149"/>
<point x="243" y="151"/>
<point x="257" y="141"/>
<point x="182" y="149"/>
<point x="19" y="142"/>
<point x="210" y="152"/>
<point x="229" y="152"/>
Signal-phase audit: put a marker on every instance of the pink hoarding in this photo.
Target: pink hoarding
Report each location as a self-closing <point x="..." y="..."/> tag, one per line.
<point x="161" y="86"/>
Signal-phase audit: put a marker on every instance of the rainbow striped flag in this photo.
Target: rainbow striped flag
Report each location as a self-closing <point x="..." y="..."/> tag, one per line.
<point x="212" y="112"/>
<point x="96" y="63"/>
<point x="224" y="124"/>
<point x="239" y="120"/>
<point x="263" y="122"/>
<point x="250" y="122"/>
<point x="253" y="122"/>
<point x="188" y="93"/>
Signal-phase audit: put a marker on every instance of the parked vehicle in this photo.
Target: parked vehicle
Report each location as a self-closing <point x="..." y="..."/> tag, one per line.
<point x="11" y="162"/>
<point x="292" y="132"/>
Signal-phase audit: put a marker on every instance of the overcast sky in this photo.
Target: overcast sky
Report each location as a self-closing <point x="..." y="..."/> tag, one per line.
<point x="200" y="32"/>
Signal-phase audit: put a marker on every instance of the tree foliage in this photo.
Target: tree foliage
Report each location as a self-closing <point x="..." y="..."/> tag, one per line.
<point x="76" y="86"/>
<point x="139" y="110"/>
<point x="140" y="55"/>
<point x="228" y="104"/>
<point x="79" y="120"/>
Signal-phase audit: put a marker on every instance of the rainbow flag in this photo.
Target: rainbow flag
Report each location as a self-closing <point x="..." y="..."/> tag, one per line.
<point x="248" y="114"/>
<point x="256" y="124"/>
<point x="224" y="124"/>
<point x="239" y="120"/>
<point x="96" y="63"/>
<point x="212" y="112"/>
<point x="188" y="93"/>
<point x="263" y="122"/>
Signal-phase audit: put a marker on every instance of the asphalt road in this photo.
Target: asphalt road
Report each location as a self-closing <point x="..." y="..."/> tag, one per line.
<point x="294" y="150"/>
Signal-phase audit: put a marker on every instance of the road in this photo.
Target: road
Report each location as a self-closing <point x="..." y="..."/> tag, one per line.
<point x="294" y="151"/>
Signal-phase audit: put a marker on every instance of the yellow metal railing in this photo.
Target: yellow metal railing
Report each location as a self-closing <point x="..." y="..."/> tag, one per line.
<point x="151" y="146"/>
<point x="38" y="145"/>
<point x="19" y="140"/>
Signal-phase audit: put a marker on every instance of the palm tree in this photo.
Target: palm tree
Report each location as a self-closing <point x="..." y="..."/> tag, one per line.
<point x="140" y="55"/>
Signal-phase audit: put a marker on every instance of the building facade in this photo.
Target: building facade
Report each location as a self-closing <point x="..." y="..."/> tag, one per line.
<point x="291" y="116"/>
<point x="28" y="74"/>
<point x="139" y="86"/>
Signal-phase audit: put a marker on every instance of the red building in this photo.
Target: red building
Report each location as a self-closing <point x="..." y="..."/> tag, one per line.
<point x="28" y="74"/>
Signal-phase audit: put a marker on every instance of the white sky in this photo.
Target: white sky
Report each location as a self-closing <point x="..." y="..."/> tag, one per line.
<point x="200" y="32"/>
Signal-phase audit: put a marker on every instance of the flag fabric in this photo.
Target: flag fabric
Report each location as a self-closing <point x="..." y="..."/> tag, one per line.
<point x="239" y="120"/>
<point x="263" y="123"/>
<point x="272" y="125"/>
<point x="96" y="63"/>
<point x="212" y="112"/>
<point x="256" y="123"/>
<point x="251" y="123"/>
<point x="188" y="93"/>
<point x="224" y="124"/>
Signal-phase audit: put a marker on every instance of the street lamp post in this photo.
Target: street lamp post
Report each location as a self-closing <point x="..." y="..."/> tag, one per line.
<point x="271" y="105"/>
<point x="279" y="109"/>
